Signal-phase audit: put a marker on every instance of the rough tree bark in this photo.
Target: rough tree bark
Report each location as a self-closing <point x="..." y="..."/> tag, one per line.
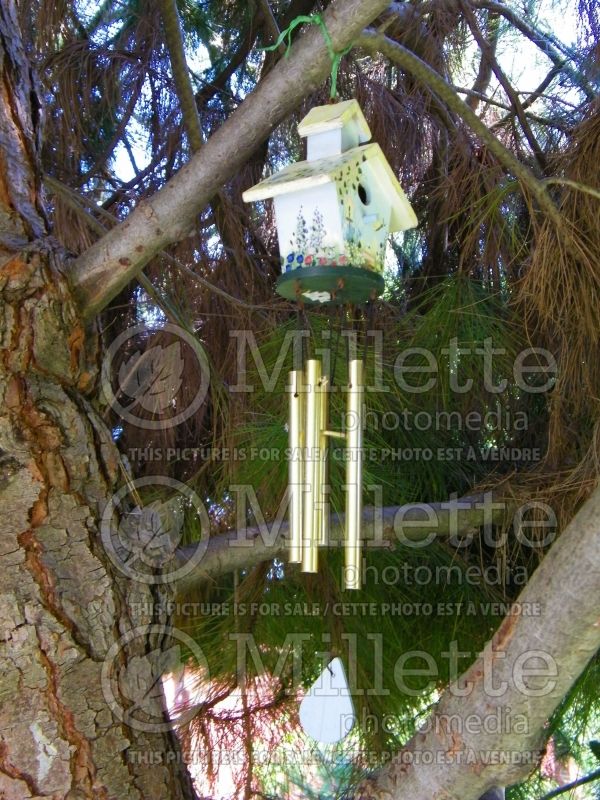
<point x="62" y="608"/>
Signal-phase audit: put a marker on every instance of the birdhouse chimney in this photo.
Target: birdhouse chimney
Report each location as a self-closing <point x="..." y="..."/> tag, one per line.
<point x="331" y="130"/>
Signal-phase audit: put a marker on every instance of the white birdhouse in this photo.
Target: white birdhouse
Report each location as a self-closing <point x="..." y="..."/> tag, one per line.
<point x="335" y="210"/>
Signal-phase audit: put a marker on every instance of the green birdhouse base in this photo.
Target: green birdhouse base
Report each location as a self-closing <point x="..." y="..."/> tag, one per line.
<point x="338" y="285"/>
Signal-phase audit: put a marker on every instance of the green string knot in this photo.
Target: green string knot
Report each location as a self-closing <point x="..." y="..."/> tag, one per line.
<point x="334" y="55"/>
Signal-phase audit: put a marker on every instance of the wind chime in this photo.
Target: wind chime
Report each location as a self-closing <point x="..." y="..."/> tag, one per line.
<point x="333" y="213"/>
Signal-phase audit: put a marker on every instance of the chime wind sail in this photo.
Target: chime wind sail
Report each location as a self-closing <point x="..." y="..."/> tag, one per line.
<point x="333" y="213"/>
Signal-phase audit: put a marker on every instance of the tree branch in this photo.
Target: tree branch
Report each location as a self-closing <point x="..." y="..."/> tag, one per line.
<point x="76" y="200"/>
<point x="381" y="527"/>
<point x="219" y="82"/>
<point x="541" y="40"/>
<point x="271" y="24"/>
<point x="568" y="787"/>
<point x="121" y="192"/>
<point x="484" y="73"/>
<point x="524" y="672"/>
<point x="102" y="159"/>
<point x="531" y="98"/>
<point x="488" y="53"/>
<point x="181" y="76"/>
<point x="185" y="94"/>
<point x="102" y="271"/>
<point x="497" y="104"/>
<point x="373" y="42"/>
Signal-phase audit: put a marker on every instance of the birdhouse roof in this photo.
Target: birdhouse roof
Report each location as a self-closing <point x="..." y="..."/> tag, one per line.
<point x="335" y="115"/>
<point x="306" y="174"/>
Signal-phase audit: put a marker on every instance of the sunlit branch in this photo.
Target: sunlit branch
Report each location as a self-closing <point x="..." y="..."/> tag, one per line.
<point x="541" y="40"/>
<point x="381" y="528"/>
<point x="488" y="52"/>
<point x="373" y="42"/>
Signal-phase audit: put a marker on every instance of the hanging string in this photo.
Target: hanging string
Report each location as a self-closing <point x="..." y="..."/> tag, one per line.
<point x="298" y="356"/>
<point x="307" y="326"/>
<point x="369" y="318"/>
<point x="337" y="343"/>
<point x="334" y="55"/>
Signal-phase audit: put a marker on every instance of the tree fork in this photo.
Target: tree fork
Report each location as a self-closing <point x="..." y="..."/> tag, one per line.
<point x="102" y="271"/>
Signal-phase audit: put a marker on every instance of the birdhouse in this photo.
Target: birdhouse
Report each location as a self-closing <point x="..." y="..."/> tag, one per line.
<point x="335" y="210"/>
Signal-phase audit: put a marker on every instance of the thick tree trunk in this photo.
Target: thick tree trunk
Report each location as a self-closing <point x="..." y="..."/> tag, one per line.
<point x="65" y="618"/>
<point x="61" y="609"/>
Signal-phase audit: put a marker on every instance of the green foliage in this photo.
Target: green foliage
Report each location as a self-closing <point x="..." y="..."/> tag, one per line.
<point x="407" y="422"/>
<point x="332" y="774"/>
<point x="407" y="606"/>
<point x="569" y="736"/>
<point x="456" y="310"/>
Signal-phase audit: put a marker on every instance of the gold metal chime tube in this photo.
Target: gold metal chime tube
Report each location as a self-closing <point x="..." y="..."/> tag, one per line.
<point x="296" y="462"/>
<point x="312" y="467"/>
<point x="308" y="485"/>
<point x="352" y="571"/>
<point x="323" y="501"/>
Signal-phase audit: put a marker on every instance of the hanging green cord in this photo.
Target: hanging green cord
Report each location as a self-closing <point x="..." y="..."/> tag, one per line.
<point x="314" y="19"/>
